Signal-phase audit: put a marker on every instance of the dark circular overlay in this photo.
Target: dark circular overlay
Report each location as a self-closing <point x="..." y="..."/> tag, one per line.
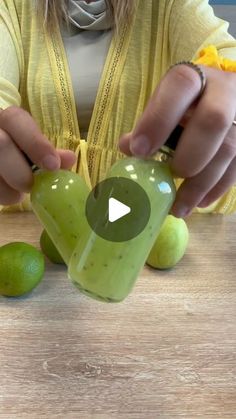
<point x="127" y="192"/>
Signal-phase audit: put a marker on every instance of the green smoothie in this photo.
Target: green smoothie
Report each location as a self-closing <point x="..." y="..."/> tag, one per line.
<point x="58" y="199"/>
<point x="107" y="270"/>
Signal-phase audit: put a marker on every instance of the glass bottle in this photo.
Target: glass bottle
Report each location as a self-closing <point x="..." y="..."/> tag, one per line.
<point x="58" y="199"/>
<point x="108" y="270"/>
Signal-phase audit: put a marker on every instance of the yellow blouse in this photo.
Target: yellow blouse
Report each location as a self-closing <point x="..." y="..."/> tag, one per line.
<point x="34" y="74"/>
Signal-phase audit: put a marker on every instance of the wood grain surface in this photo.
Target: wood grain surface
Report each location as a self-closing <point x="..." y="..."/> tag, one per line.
<point x="167" y="351"/>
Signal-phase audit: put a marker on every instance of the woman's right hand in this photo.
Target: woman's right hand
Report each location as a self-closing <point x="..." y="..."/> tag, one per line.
<point x="19" y="135"/>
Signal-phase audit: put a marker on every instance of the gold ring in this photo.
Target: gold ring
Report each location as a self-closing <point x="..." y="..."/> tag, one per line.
<point x="199" y="71"/>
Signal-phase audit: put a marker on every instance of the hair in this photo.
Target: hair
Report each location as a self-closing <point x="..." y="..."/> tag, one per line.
<point x="55" y="11"/>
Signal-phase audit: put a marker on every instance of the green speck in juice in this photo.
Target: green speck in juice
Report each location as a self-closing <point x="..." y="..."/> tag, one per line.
<point x="74" y="236"/>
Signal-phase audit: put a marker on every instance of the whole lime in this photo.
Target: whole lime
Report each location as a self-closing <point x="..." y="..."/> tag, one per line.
<point x="49" y="249"/>
<point x="21" y="268"/>
<point x="170" y="245"/>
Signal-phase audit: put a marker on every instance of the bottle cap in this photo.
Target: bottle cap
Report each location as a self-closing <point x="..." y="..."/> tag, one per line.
<point x="32" y="165"/>
<point x="170" y="145"/>
<point x="173" y="139"/>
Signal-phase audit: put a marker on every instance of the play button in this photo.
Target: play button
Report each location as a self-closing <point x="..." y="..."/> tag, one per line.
<point x="118" y="209"/>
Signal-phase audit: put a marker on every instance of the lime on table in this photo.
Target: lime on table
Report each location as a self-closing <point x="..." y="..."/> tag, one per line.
<point x="170" y="245"/>
<point x="21" y="268"/>
<point x="49" y="249"/>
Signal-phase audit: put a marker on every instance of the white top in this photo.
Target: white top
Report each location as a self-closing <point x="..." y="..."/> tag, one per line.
<point x="86" y="43"/>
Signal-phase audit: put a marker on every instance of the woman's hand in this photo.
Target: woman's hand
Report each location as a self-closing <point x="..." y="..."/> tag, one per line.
<point x="206" y="152"/>
<point x="19" y="134"/>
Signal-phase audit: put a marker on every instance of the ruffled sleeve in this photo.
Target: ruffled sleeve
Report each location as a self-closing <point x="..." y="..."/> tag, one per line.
<point x="210" y="57"/>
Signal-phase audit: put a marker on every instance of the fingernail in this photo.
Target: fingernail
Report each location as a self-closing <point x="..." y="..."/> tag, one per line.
<point x="51" y="162"/>
<point x="140" y="146"/>
<point x="180" y="210"/>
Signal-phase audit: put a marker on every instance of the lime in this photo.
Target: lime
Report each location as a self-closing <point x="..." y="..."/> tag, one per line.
<point x="21" y="268"/>
<point x="170" y="245"/>
<point x="49" y="249"/>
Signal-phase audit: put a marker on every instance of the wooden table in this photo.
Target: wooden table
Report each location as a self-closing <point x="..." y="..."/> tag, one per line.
<point x="167" y="351"/>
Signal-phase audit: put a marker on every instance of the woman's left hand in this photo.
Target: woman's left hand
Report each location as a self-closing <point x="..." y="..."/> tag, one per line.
<point x="206" y="152"/>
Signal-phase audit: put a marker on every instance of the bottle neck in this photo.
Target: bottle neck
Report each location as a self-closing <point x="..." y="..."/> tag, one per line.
<point x="164" y="154"/>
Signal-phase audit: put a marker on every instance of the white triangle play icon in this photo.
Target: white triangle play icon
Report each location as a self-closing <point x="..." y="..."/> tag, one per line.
<point x="117" y="210"/>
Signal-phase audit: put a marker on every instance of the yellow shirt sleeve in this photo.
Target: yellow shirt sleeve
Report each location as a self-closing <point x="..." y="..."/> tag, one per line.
<point x="194" y="26"/>
<point x="9" y="65"/>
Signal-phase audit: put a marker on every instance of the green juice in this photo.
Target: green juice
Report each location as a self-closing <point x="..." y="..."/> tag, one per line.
<point x="107" y="270"/>
<point x="58" y="199"/>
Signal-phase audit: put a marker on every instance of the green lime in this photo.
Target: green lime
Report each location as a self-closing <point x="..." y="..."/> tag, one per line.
<point x="170" y="245"/>
<point x="49" y="249"/>
<point x="21" y="268"/>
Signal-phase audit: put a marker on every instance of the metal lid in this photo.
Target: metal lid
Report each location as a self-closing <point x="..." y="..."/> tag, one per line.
<point x="173" y="139"/>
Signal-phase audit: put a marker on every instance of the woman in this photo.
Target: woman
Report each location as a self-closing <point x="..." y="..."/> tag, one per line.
<point x="103" y="79"/>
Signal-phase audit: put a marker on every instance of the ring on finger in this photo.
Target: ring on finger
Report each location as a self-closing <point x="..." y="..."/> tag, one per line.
<point x="198" y="70"/>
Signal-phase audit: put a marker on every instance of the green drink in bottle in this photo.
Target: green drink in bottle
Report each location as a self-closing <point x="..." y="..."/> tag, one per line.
<point x="106" y="267"/>
<point x="58" y="199"/>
